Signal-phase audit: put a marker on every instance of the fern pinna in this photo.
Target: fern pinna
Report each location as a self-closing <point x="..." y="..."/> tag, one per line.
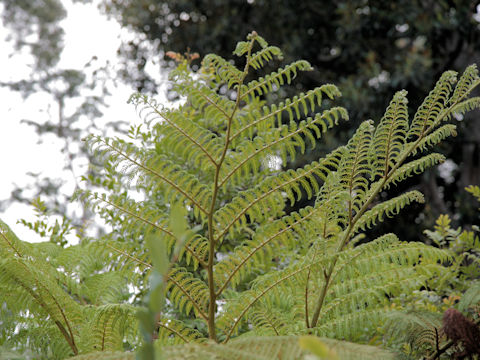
<point x="245" y="266"/>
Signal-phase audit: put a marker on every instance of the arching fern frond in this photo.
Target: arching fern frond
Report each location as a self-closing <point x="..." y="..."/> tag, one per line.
<point x="283" y="141"/>
<point x="433" y="105"/>
<point x="275" y="79"/>
<point x="284" y="232"/>
<point x="387" y="208"/>
<point x="266" y="54"/>
<point x="179" y="183"/>
<point x="108" y="325"/>
<point x="171" y="331"/>
<point x="301" y="105"/>
<point x="223" y="71"/>
<point x="419" y="329"/>
<point x="435" y="138"/>
<point x="467" y="82"/>
<point x="256" y="203"/>
<point x="414" y="167"/>
<point x="189" y="134"/>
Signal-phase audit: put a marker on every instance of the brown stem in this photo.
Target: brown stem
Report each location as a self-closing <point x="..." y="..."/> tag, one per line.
<point x="211" y="237"/>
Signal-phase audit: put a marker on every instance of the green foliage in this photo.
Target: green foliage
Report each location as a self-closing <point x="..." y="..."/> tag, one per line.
<point x="202" y="232"/>
<point x="418" y="329"/>
<point x="59" y="302"/>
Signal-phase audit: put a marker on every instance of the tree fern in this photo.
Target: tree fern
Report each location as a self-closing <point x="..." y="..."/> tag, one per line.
<point x="238" y="263"/>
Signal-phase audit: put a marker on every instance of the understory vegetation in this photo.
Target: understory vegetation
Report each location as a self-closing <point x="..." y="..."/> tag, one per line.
<point x="206" y="258"/>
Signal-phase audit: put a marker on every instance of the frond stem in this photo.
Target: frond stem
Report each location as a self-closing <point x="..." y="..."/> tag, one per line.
<point x="11" y="244"/>
<point x="131" y="257"/>
<point x="216" y="187"/>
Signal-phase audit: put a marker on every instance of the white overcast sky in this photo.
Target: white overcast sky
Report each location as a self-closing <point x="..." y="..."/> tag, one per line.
<point x="88" y="33"/>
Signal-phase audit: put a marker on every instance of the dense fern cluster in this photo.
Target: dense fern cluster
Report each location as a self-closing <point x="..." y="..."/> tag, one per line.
<point x="241" y="265"/>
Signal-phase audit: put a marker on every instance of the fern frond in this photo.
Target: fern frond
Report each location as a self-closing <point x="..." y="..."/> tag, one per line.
<point x="172" y="331"/>
<point x="122" y="154"/>
<point x="223" y="70"/>
<point x="187" y="293"/>
<point x="36" y="282"/>
<point x="387" y="249"/>
<point x="465" y="106"/>
<point x="266" y="54"/>
<point x="238" y="307"/>
<point x="467" y="82"/>
<point x="387" y="208"/>
<point x="435" y="138"/>
<point x="187" y="185"/>
<point x="350" y="324"/>
<point x="301" y="105"/>
<point x="135" y="215"/>
<point x="471" y="298"/>
<point x="390" y="134"/>
<point x="414" y="327"/>
<point x="369" y="291"/>
<point x="432" y="106"/>
<point x="257" y="203"/>
<point x="194" y="248"/>
<point x="414" y="167"/>
<point x="283" y="233"/>
<point x="275" y="79"/>
<point x="215" y="107"/>
<point x="11" y="245"/>
<point x="262" y="318"/>
<point x="282" y="141"/>
<point x="108" y="325"/>
<point x="355" y="167"/>
<point x="187" y="133"/>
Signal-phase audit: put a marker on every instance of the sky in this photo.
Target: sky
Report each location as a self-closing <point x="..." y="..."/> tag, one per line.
<point x="19" y="151"/>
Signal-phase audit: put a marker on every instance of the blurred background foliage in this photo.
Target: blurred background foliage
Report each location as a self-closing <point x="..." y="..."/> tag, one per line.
<point x="370" y="49"/>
